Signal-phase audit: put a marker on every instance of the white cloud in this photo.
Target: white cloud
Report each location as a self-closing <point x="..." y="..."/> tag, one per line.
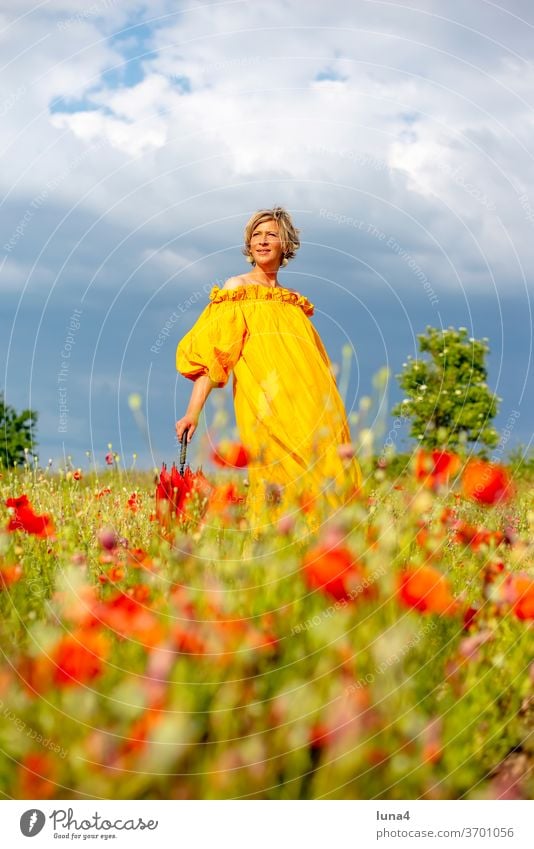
<point x="418" y="122"/>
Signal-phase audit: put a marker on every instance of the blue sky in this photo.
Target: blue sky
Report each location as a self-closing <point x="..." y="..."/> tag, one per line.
<point x="138" y="138"/>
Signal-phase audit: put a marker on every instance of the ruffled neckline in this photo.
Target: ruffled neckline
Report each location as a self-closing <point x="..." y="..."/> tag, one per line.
<point x="256" y="291"/>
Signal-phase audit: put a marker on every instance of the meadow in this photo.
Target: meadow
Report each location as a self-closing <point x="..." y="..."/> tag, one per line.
<point x="153" y="650"/>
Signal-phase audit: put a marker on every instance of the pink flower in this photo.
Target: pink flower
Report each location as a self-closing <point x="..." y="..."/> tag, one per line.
<point x="346" y="450"/>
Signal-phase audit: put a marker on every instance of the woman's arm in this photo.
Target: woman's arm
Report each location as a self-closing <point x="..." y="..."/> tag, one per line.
<point x="201" y="389"/>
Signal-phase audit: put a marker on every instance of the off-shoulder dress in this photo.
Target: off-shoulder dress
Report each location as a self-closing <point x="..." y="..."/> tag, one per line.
<point x="289" y="413"/>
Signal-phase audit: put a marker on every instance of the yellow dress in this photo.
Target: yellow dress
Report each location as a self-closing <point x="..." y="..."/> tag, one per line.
<point x="289" y="414"/>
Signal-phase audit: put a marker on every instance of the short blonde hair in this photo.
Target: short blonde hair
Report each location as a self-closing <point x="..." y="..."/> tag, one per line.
<point x="288" y="232"/>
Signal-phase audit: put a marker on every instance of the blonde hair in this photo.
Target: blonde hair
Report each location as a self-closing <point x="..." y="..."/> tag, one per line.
<point x="288" y="232"/>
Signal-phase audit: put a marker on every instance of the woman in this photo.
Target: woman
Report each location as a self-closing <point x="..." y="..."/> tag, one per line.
<point x="290" y="416"/>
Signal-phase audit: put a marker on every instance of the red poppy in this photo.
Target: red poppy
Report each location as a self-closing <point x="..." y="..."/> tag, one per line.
<point x="77" y="475"/>
<point x="337" y="572"/>
<point x="230" y="454"/>
<point x="79" y="658"/>
<point x="426" y="590"/>
<point x="188" y="641"/>
<point x="134" y="502"/>
<point x="105" y="491"/>
<point x="129" y="617"/>
<point x="470" y="616"/>
<point x="9" y="575"/>
<point x="109" y="459"/>
<point x="434" y="468"/>
<point x="486" y="483"/>
<point x="474" y="537"/>
<point x="139" y="559"/>
<point x="223" y="496"/>
<point x="139" y="733"/>
<point x="113" y="575"/>
<point x="518" y="590"/>
<point x="24" y="519"/>
<point x="36" y="776"/>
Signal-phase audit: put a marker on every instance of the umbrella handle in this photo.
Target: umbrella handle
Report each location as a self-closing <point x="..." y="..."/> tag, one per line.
<point x="183" y="450"/>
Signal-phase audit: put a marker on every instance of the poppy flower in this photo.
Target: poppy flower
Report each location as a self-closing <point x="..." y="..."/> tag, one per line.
<point x="113" y="575"/>
<point x="470" y="618"/>
<point x="336" y="572"/>
<point x="79" y="658"/>
<point x="223" y="496"/>
<point x="139" y="733"/>
<point x="486" y="483"/>
<point x="138" y="558"/>
<point x="9" y="575"/>
<point x="230" y="454"/>
<point x="105" y="491"/>
<point x="134" y="502"/>
<point x="36" y="776"/>
<point x="24" y="519"/>
<point x="518" y="590"/>
<point x="109" y="459"/>
<point x="130" y="618"/>
<point x="492" y="570"/>
<point x="434" y="468"/>
<point x="425" y="589"/>
<point x="187" y="641"/>
<point x="474" y="537"/>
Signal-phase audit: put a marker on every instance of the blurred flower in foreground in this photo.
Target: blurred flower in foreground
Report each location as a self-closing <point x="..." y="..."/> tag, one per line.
<point x="518" y="590"/>
<point x="487" y="483"/>
<point x="9" y="575"/>
<point x="24" y="519"/>
<point x="232" y="454"/>
<point x="426" y="590"/>
<point x="434" y="468"/>
<point x="337" y="572"/>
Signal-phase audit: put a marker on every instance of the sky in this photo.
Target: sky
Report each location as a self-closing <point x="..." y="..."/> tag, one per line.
<point x="137" y="139"/>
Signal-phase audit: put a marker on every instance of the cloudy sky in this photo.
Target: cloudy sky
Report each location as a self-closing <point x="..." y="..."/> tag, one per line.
<point x="137" y="139"/>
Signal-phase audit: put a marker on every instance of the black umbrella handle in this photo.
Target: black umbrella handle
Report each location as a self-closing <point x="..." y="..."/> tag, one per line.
<point x="183" y="451"/>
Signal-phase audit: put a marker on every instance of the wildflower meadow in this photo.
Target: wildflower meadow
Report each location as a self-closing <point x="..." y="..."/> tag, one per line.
<point x="153" y="649"/>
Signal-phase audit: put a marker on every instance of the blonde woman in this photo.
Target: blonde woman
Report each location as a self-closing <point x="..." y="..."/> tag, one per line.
<point x="289" y="414"/>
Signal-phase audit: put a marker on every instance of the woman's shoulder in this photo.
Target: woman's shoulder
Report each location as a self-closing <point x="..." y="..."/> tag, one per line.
<point x="241" y="289"/>
<point x="233" y="282"/>
<point x="243" y="280"/>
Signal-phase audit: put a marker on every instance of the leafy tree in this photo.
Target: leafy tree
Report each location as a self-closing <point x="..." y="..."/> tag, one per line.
<point x="15" y="434"/>
<point x="448" y="400"/>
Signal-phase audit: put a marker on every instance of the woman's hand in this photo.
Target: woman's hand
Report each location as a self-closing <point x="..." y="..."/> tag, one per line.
<point x="188" y="421"/>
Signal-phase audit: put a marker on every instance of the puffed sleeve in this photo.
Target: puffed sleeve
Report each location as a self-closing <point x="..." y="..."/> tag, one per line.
<point x="214" y="343"/>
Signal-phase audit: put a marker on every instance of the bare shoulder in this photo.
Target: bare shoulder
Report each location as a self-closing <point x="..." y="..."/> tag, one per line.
<point x="234" y="282"/>
<point x="245" y="280"/>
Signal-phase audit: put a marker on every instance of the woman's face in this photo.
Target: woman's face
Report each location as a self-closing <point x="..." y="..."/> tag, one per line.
<point x="265" y="245"/>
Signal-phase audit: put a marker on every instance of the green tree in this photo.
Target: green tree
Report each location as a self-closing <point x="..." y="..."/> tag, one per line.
<point x="15" y="434"/>
<point x="447" y="397"/>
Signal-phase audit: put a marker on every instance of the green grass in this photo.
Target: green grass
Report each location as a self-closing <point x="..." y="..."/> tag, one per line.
<point x="401" y="712"/>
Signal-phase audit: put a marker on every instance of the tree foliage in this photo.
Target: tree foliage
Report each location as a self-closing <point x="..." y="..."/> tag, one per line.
<point x="447" y="397"/>
<point x="16" y="434"/>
